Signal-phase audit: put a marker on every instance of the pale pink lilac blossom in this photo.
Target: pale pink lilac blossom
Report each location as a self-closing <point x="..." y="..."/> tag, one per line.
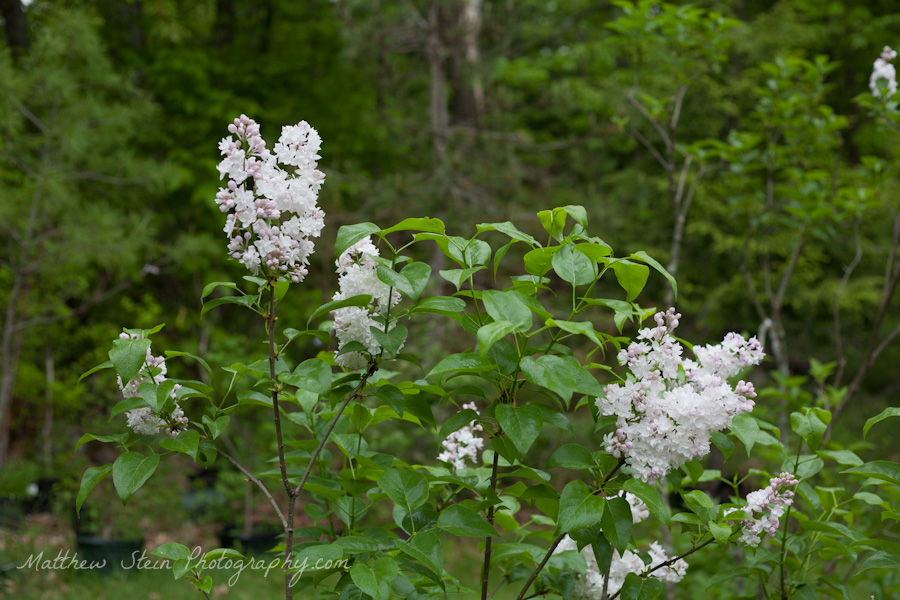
<point x="357" y="275"/>
<point x="670" y="405"/>
<point x="270" y="198"/>
<point x="143" y="420"/>
<point x="463" y="444"/>
<point x="883" y="69"/>
<point x="766" y="507"/>
<point x="590" y="586"/>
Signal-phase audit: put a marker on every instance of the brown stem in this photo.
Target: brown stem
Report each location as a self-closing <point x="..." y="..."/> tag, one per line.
<point x="486" y="569"/>
<point x="354" y="394"/>
<point x="289" y="521"/>
<point x="669" y="562"/>
<point x="258" y="484"/>
<point x="556" y="542"/>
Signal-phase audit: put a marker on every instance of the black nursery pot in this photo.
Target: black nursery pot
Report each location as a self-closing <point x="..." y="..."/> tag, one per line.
<point x="256" y="543"/>
<point x="109" y="556"/>
<point x="12" y="513"/>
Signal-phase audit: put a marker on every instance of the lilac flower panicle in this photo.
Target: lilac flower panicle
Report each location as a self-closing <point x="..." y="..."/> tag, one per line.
<point x="590" y="586"/>
<point x="883" y="69"/>
<point x="663" y="419"/>
<point x="463" y="444"/>
<point x="143" y="420"/>
<point x="270" y="197"/>
<point x="357" y="275"/>
<point x="766" y="507"/>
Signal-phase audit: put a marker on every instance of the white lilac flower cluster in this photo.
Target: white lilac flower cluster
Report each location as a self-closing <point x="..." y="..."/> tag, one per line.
<point x="271" y="197"/>
<point x="670" y="405"/>
<point x="770" y="502"/>
<point x="357" y="275"/>
<point x="590" y="587"/>
<point x="883" y="69"/>
<point x="143" y="420"/>
<point x="463" y="443"/>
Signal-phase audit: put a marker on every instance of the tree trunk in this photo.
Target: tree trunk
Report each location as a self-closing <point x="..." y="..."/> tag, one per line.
<point x="16" y="26"/>
<point x="9" y="364"/>
<point x="437" y="87"/>
<point x="50" y="379"/>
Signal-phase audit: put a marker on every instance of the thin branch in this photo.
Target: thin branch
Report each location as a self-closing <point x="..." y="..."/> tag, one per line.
<point x="788" y="273"/>
<point x="111" y="179"/>
<point x="30" y="116"/>
<point x="676" y="113"/>
<point x="668" y="563"/>
<point x="839" y="341"/>
<point x="643" y="111"/>
<point x="258" y="484"/>
<point x="649" y="146"/>
<point x="80" y="310"/>
<point x="486" y="568"/>
<point x="354" y="394"/>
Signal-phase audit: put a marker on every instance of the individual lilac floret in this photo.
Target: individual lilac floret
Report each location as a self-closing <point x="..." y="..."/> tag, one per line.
<point x="463" y="443"/>
<point x="357" y="271"/>
<point x="143" y="420"/>
<point x="590" y="586"/>
<point x="770" y="503"/>
<point x="883" y="69"/>
<point x="270" y="198"/>
<point x="664" y="419"/>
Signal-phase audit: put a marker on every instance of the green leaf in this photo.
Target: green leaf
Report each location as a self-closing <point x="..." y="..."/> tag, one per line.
<point x="175" y="353"/>
<point x="522" y="424"/>
<point x="572" y="456"/>
<point x="375" y="580"/>
<point x="644" y="257"/>
<point x="617" y="522"/>
<point x="508" y="306"/>
<point x="425" y="547"/>
<point x="721" y="533"/>
<point x="578" y="508"/>
<point x="442" y="305"/>
<point x="746" y="429"/>
<point x="843" y="457"/>
<point x="880" y="560"/>
<point x="312" y="375"/>
<point x="459" y="519"/>
<point x="209" y="287"/>
<point x="172" y="551"/>
<point x="631" y="276"/>
<point x="552" y="373"/>
<point x="118" y="438"/>
<point x="467" y="362"/>
<point x="573" y="266"/>
<point x="246" y="301"/>
<point x="640" y="588"/>
<point x="458" y="276"/>
<point x="131" y="470"/>
<point x="348" y="235"/>
<point x="187" y="442"/>
<point x="650" y="496"/>
<point x="395" y="280"/>
<point x="92" y="476"/>
<point x="128" y="356"/>
<point x="393" y="397"/>
<point x="392" y="340"/>
<point x="407" y="488"/>
<point x="879" y="469"/>
<point x="553" y="222"/>
<point x="362" y="300"/>
<point x="490" y="334"/>
<point x="426" y="224"/>
<point x="893" y="411"/>
<point x="540" y="260"/>
<point x="809" y="427"/>
<point x="510" y="230"/>
<point x="417" y="274"/>
<point x="457" y="422"/>
<point x="580" y="327"/>
<point x="106" y="365"/>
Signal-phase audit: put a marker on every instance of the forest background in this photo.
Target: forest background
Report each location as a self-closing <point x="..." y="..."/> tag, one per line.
<point x="721" y="137"/>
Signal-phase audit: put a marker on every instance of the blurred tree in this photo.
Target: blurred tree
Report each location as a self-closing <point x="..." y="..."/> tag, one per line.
<point x="76" y="185"/>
